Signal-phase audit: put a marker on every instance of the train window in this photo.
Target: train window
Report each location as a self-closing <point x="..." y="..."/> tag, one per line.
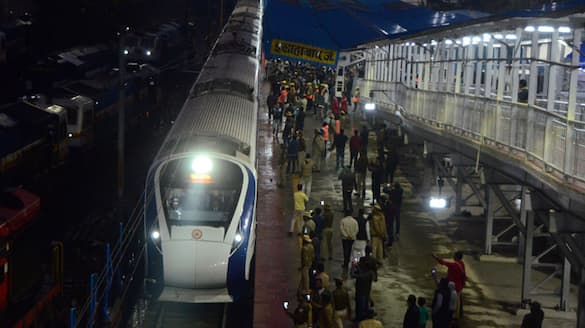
<point x="190" y="198"/>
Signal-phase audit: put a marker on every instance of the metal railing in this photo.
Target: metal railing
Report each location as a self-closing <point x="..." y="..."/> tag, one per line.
<point x="548" y="140"/>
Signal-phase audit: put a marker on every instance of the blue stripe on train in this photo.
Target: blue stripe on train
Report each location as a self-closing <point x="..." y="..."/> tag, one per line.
<point x="236" y="278"/>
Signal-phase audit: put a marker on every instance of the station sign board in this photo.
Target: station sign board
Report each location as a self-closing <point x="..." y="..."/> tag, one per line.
<point x="303" y="52"/>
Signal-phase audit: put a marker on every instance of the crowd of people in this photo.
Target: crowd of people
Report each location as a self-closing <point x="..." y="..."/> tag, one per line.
<point x="366" y="236"/>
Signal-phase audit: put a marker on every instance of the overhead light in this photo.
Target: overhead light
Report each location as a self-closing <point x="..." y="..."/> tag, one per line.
<point x="201" y="165"/>
<point x="564" y="29"/>
<point x="370" y="106"/>
<point x="498" y="36"/>
<point x="70" y="135"/>
<point x="377" y="47"/>
<point x="433" y="43"/>
<point x="425" y="44"/>
<point x="458" y="41"/>
<point x="155" y="235"/>
<point x="437" y="202"/>
<point x="486" y="37"/>
<point x="546" y="29"/>
<point x="466" y="41"/>
<point x="511" y="37"/>
<point x="448" y="41"/>
<point x="475" y="39"/>
<point x="529" y="29"/>
<point x="126" y="51"/>
<point x="384" y="32"/>
<point x="148" y="53"/>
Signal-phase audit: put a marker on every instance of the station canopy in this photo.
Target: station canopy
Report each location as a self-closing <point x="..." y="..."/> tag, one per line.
<point x="316" y="30"/>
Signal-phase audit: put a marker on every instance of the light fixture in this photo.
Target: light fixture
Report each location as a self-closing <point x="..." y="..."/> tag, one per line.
<point x="546" y="29"/>
<point x="498" y="36"/>
<point x="529" y="29"/>
<point x="370" y="106"/>
<point x="433" y="43"/>
<point x="511" y="37"/>
<point x="70" y="135"/>
<point x="466" y="41"/>
<point x="126" y="51"/>
<point x="201" y="165"/>
<point x="486" y="37"/>
<point x="564" y="29"/>
<point x="155" y="235"/>
<point x="437" y="202"/>
<point x="448" y="42"/>
<point x="475" y="40"/>
<point x="148" y="53"/>
<point x="458" y="41"/>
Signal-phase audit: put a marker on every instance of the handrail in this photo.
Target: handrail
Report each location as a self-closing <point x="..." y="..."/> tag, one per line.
<point x="548" y="139"/>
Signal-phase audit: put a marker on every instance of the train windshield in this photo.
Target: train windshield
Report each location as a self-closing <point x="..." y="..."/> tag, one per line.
<point x="194" y="196"/>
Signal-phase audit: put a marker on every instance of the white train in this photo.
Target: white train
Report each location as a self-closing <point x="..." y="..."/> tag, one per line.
<point x="201" y="190"/>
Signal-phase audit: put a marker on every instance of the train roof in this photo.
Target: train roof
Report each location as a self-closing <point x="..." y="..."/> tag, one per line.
<point x="222" y="115"/>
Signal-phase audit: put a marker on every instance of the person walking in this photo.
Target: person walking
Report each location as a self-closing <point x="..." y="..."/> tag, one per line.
<point x="319" y="227"/>
<point x="363" y="235"/>
<point x="534" y="318"/>
<point x="341" y="303"/>
<point x="378" y="233"/>
<point x="364" y="138"/>
<point x="456" y="273"/>
<point x="396" y="197"/>
<point x="361" y="169"/>
<point x="440" y="305"/>
<point x="355" y="99"/>
<point x="326" y="315"/>
<point x="389" y="217"/>
<point x="423" y="312"/>
<point x="348" y="227"/>
<point x="339" y="142"/>
<point x="293" y="155"/>
<point x="307" y="259"/>
<point x="328" y="230"/>
<point x="318" y="149"/>
<point x="302" y="149"/>
<point x="375" y="166"/>
<point x="355" y="146"/>
<point x="307" y="174"/>
<point x="363" y="287"/>
<point x="276" y="121"/>
<point x="391" y="165"/>
<point x="300" y="200"/>
<point x="348" y="184"/>
<point x="411" y="317"/>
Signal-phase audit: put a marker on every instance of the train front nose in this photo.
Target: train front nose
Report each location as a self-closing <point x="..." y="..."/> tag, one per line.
<point x="195" y="264"/>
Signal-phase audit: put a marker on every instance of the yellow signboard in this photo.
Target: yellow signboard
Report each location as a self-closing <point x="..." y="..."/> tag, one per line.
<point x="303" y="52"/>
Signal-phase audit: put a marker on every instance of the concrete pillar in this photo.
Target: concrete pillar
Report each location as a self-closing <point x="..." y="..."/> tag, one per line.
<point x="526" y="211"/>
<point x="489" y="218"/>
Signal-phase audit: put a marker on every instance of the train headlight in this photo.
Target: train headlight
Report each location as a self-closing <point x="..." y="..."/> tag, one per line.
<point x="201" y="165"/>
<point x="155" y="235"/>
<point x="238" y="238"/>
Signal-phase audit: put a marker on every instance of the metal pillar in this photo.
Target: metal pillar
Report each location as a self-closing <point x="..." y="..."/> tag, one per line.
<point x="526" y="212"/>
<point x="489" y="219"/>
<point x="565" y="285"/>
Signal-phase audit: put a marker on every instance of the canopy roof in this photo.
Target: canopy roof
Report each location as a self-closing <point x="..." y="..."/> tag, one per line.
<point x="345" y="24"/>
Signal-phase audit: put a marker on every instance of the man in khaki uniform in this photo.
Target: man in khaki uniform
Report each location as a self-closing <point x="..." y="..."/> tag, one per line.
<point x="307" y="174"/>
<point x="378" y="233"/>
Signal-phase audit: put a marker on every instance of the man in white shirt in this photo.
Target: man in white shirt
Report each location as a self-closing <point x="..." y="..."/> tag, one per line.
<point x="348" y="227"/>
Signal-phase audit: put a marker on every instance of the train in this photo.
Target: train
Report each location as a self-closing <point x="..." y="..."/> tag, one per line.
<point x="201" y="189"/>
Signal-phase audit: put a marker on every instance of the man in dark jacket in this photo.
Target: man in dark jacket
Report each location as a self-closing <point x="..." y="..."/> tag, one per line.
<point x="347" y="186"/>
<point x="534" y="318"/>
<point x="412" y="315"/>
<point x="339" y="142"/>
<point x="363" y="286"/>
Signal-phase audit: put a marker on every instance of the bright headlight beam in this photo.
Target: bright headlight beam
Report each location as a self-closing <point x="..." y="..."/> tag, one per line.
<point x="201" y="165"/>
<point x="438" y="203"/>
<point x="238" y="238"/>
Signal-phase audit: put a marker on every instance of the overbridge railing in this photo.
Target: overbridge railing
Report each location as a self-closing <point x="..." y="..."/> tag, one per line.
<point x="548" y="140"/>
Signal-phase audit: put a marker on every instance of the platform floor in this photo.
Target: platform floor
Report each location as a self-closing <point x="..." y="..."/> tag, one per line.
<point x="491" y="296"/>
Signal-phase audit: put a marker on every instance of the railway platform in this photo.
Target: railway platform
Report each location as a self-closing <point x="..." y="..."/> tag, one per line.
<point x="492" y="294"/>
